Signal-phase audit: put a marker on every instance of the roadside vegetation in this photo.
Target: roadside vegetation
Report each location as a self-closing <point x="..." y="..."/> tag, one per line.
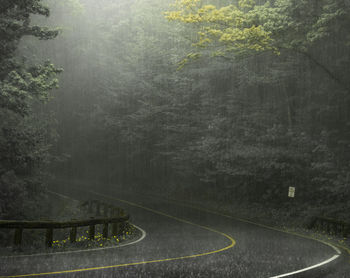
<point x="228" y="101"/>
<point x="65" y="209"/>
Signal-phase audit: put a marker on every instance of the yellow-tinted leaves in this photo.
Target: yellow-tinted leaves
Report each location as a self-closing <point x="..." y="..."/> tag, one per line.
<point x="228" y="29"/>
<point x="246" y="4"/>
<point x="187" y="3"/>
<point x="189" y="57"/>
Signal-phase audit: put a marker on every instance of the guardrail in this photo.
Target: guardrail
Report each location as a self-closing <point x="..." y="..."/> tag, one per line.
<point x="111" y="215"/>
<point x="330" y="225"/>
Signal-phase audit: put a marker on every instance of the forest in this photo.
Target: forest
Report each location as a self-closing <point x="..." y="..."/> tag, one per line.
<point x="235" y="100"/>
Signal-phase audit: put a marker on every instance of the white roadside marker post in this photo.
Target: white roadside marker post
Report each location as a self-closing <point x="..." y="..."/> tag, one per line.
<point x="291" y="192"/>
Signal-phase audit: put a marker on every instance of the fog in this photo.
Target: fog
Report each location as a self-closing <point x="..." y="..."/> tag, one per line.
<point x="223" y="105"/>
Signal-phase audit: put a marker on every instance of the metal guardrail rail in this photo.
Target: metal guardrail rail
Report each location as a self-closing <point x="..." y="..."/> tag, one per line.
<point x="106" y="214"/>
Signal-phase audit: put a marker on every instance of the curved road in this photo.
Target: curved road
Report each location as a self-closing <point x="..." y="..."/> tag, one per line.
<point x="185" y="242"/>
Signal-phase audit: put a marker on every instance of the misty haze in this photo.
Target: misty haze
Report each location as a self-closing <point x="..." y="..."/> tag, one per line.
<point x="175" y="138"/>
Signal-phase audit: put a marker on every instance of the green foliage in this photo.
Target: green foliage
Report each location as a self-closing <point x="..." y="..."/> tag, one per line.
<point x="229" y="29"/>
<point x="248" y="127"/>
<point x="23" y="137"/>
<point x="249" y="28"/>
<point x="21" y="86"/>
<point x="15" y="23"/>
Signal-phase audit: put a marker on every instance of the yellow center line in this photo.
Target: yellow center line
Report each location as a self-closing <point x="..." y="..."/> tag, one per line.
<point x="232" y="243"/>
<point x="258" y="224"/>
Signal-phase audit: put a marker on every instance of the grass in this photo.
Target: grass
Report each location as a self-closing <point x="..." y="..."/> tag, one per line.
<point x="33" y="241"/>
<point x="83" y="241"/>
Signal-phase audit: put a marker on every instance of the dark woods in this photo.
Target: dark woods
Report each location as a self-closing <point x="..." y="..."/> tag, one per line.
<point x="244" y="118"/>
<point x="24" y="142"/>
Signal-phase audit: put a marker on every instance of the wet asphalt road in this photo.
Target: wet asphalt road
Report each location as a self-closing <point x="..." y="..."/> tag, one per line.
<point x="176" y="244"/>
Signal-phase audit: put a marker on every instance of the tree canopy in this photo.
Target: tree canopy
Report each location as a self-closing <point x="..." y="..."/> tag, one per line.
<point x="261" y="101"/>
<point x="24" y="141"/>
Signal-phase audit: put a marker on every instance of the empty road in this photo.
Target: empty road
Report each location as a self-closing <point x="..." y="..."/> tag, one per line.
<point x="182" y="241"/>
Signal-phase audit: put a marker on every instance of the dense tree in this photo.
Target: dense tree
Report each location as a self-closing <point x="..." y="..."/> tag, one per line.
<point x="24" y="137"/>
<point x="297" y="148"/>
<point x="262" y="103"/>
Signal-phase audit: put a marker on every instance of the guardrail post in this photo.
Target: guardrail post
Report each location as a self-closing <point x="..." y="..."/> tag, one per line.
<point x="73" y="234"/>
<point x="92" y="232"/>
<point x="110" y="210"/>
<point x="18" y="236"/>
<point x="105" y="210"/>
<point x="98" y="209"/>
<point x="114" y="218"/>
<point x="49" y="237"/>
<point x="89" y="206"/>
<point x="105" y="230"/>
<point x="116" y="212"/>
<point x="115" y="229"/>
